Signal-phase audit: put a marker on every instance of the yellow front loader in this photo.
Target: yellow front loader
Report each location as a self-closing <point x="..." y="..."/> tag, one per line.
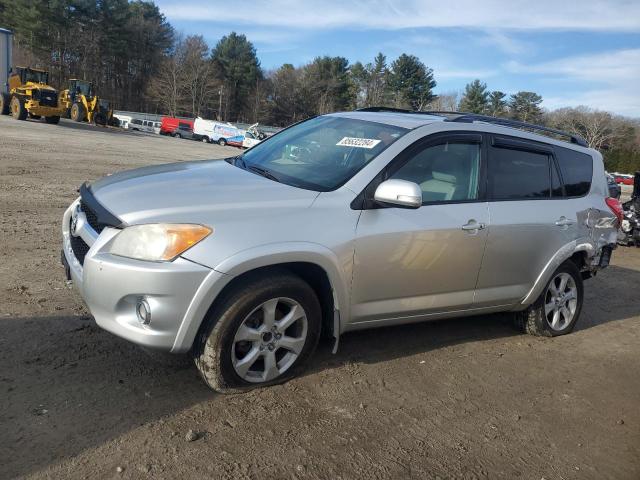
<point x="30" y="94"/>
<point x="81" y="103"/>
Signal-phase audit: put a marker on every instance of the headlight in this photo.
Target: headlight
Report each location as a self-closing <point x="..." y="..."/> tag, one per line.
<point x="159" y="242"/>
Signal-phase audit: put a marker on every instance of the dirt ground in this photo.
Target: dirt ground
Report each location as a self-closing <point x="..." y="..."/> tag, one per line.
<point x="468" y="398"/>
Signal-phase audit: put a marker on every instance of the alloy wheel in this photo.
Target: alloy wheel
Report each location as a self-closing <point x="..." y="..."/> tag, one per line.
<point x="561" y="301"/>
<point x="269" y="340"/>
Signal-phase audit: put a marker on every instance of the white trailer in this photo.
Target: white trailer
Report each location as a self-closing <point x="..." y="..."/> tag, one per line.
<point x="6" y="44"/>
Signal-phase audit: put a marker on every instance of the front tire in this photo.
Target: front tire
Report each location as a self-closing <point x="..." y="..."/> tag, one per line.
<point x="558" y="308"/>
<point x="261" y="333"/>
<point x="18" y="110"/>
<point x="78" y="112"/>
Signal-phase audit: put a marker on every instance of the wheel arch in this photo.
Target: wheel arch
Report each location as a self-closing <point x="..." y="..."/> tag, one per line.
<point x="317" y="269"/>
<point x="578" y="253"/>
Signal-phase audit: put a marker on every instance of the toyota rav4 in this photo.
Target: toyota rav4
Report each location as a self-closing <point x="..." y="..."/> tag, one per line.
<point x="339" y="223"/>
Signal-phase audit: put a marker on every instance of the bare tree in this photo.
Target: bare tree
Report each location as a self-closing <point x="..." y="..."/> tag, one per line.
<point x="167" y="88"/>
<point x="595" y="126"/>
<point x="199" y="80"/>
<point x="445" y="102"/>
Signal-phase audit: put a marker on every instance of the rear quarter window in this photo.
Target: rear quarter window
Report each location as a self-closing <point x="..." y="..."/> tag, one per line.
<point x="576" y="169"/>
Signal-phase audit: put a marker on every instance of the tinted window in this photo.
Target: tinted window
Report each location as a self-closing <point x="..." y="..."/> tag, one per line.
<point x="184" y="126"/>
<point x="516" y="174"/>
<point x="445" y="173"/>
<point x="576" y="169"/>
<point x="556" y="185"/>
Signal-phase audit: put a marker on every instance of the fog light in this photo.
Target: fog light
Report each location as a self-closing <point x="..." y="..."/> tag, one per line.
<point x="143" y="311"/>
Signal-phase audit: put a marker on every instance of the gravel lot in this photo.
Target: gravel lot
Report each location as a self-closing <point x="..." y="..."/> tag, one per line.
<point x="467" y="398"/>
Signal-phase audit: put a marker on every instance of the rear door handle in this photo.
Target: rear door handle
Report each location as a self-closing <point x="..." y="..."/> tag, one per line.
<point x="564" y="221"/>
<point x="473" y="225"/>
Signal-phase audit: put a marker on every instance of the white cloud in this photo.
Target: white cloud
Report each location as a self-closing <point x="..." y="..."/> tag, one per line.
<point x="605" y="80"/>
<point x="602" y="15"/>
<point x="467" y="74"/>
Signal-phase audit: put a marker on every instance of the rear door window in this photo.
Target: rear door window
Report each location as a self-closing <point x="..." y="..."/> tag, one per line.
<point x="576" y="169"/>
<point x="519" y="174"/>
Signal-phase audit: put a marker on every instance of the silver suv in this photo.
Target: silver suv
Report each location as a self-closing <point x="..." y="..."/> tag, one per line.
<point x="342" y="222"/>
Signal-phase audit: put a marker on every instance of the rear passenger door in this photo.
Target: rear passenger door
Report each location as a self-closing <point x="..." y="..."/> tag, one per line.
<point x="531" y="220"/>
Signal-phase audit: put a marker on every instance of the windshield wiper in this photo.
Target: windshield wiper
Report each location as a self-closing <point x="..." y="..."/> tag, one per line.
<point x="263" y="172"/>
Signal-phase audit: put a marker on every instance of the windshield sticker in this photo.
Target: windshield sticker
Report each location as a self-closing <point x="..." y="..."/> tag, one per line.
<point x="358" y="142"/>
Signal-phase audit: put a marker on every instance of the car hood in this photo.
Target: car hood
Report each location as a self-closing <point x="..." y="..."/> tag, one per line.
<point x="194" y="192"/>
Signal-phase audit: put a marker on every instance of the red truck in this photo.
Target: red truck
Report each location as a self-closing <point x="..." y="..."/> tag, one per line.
<point x="176" y="127"/>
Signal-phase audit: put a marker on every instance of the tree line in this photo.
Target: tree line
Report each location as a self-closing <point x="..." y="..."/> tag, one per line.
<point x="137" y="60"/>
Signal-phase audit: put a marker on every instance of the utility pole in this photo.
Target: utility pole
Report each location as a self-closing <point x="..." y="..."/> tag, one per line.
<point x="220" y="103"/>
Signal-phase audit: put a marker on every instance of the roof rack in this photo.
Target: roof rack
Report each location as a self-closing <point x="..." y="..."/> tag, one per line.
<point x="476" y="117"/>
<point x="384" y="109"/>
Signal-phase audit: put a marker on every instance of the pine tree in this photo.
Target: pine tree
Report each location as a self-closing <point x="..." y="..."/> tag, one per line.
<point x="525" y="106"/>
<point x="238" y="68"/>
<point x="476" y="98"/>
<point x="497" y="104"/>
<point x="411" y="82"/>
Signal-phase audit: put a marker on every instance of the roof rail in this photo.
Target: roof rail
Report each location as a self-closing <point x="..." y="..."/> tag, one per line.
<point x="476" y="117"/>
<point x="383" y="109"/>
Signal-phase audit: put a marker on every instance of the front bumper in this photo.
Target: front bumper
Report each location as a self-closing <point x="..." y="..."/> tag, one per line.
<point x="111" y="286"/>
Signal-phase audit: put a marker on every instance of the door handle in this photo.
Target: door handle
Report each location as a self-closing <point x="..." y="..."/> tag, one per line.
<point x="564" y="221"/>
<point x="473" y="225"/>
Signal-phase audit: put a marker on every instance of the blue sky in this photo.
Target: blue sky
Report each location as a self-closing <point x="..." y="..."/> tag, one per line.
<point x="571" y="52"/>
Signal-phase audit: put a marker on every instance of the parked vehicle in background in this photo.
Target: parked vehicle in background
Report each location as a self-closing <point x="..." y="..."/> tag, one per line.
<point x="184" y="130"/>
<point x="614" y="189"/>
<point x="253" y="136"/>
<point x="30" y="95"/>
<point x="148" y="126"/>
<point x="623" y="178"/>
<point x="177" y="127"/>
<point x="213" y="132"/>
<point x="124" y="120"/>
<point x="630" y="227"/>
<point x="342" y="222"/>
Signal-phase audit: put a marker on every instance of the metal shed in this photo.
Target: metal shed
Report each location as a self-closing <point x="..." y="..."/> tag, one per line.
<point x="6" y="37"/>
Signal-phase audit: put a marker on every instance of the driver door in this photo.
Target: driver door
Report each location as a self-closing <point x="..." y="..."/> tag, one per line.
<point x="413" y="263"/>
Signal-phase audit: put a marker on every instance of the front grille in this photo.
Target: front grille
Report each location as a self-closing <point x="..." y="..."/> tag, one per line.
<point x="92" y="218"/>
<point x="79" y="247"/>
<point x="48" y="98"/>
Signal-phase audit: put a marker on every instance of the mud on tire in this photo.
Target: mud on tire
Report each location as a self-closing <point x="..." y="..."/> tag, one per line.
<point x="214" y="346"/>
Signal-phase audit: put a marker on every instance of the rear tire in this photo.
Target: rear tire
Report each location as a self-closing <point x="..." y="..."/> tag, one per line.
<point x="78" y="112"/>
<point x="52" y="120"/>
<point x="177" y="135"/>
<point x="18" y="110"/>
<point x="222" y="142"/>
<point x="558" y="308"/>
<point x="262" y="332"/>
<point x="5" y="101"/>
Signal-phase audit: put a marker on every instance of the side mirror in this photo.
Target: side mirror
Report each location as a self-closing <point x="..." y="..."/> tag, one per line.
<point x="399" y="193"/>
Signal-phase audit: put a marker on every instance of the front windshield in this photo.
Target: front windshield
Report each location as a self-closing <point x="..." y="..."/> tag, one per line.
<point x="322" y="153"/>
<point x="84" y="88"/>
<point x="35" y="76"/>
